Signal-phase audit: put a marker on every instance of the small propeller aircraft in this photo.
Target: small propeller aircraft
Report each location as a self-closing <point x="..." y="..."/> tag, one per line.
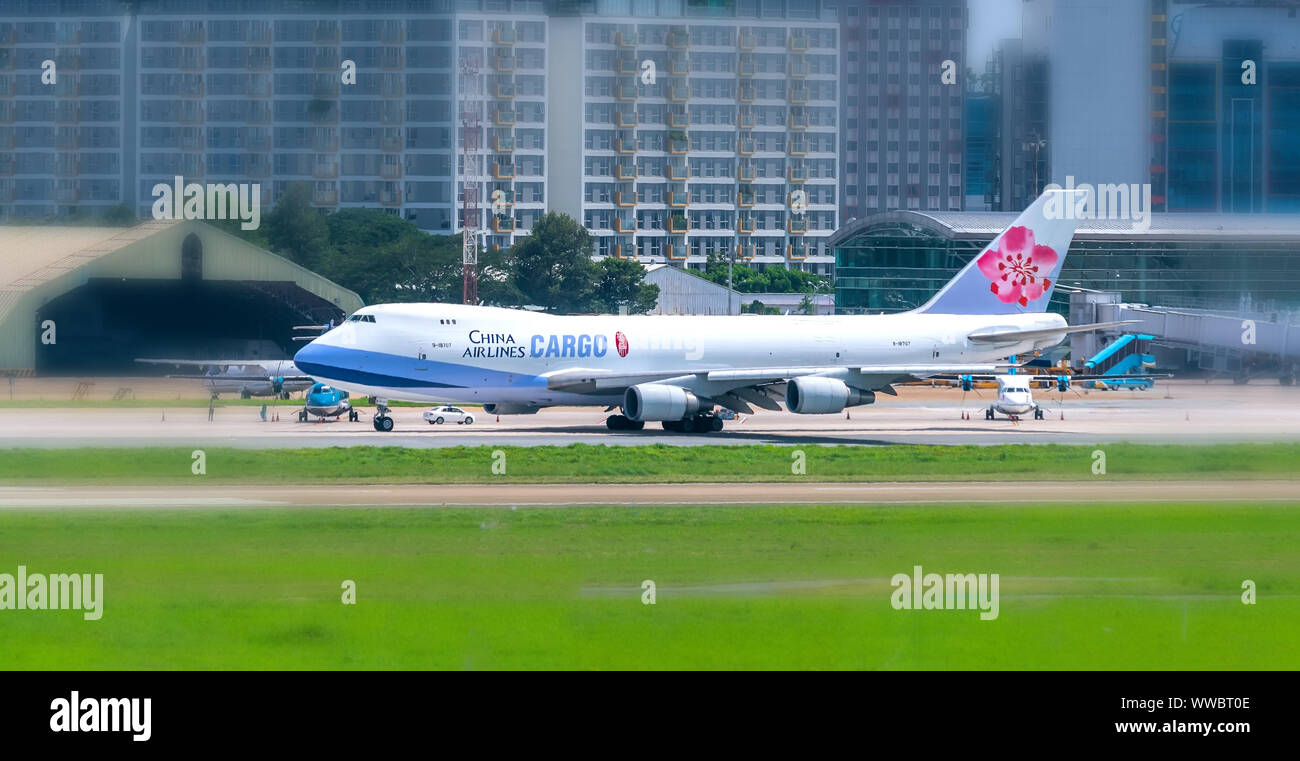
<point x="325" y="401"/>
<point x="1015" y="397"/>
<point x="275" y="378"/>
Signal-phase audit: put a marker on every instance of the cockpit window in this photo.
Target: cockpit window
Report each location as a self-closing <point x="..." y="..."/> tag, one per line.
<point x="362" y="318"/>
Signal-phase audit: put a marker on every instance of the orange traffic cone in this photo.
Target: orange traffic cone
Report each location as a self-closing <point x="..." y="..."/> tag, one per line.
<point x="498" y="418"/>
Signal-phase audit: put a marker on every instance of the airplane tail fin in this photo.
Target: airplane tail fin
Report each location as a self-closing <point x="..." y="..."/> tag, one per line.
<point x="1017" y="271"/>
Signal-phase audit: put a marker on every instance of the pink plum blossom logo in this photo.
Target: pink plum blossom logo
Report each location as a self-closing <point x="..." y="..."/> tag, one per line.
<point x="1018" y="268"/>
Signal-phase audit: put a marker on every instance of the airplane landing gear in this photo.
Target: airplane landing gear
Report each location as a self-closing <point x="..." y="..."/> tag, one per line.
<point x="988" y="414"/>
<point x="302" y="416"/>
<point x="703" y="422"/>
<point x="383" y="423"/>
<point x="623" y="423"/>
<point x="1038" y="413"/>
<point x="353" y="416"/>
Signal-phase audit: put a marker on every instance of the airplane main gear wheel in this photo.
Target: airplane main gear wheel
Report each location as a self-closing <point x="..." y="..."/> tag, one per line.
<point x="383" y="423"/>
<point x="353" y="416"/>
<point x="988" y="414"/>
<point x="623" y="423"/>
<point x="1038" y="413"/>
<point x="302" y="416"/>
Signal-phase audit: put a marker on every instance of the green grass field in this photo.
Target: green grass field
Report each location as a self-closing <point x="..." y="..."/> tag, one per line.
<point x="1108" y="587"/>
<point x="584" y="463"/>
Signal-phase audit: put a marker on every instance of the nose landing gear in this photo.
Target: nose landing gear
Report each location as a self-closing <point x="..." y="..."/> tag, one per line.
<point x="383" y="423"/>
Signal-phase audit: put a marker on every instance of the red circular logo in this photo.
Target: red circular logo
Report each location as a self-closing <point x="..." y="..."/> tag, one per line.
<point x="620" y="344"/>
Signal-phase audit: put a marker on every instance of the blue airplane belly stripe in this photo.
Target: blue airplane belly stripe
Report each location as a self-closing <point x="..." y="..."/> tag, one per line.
<point x="391" y="371"/>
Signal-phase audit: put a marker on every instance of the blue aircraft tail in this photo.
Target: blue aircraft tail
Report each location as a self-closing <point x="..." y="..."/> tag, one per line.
<point x="1017" y="271"/>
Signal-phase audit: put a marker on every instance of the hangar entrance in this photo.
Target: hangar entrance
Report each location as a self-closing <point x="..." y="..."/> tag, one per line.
<point x="103" y="326"/>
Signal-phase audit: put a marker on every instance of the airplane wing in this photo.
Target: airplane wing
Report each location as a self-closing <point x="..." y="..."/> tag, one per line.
<point x="202" y="362"/>
<point x="225" y="376"/>
<point x="993" y="335"/>
<point x="869" y="377"/>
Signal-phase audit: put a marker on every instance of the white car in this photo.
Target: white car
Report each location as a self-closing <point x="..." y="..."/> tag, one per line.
<point x="448" y="414"/>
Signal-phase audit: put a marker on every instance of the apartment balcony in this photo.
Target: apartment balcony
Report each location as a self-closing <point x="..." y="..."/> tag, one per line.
<point x="678" y="173"/>
<point x="503" y="170"/>
<point x="798" y="69"/>
<point x="390" y="197"/>
<point x="745" y="93"/>
<point x="679" y="39"/>
<point x="258" y="60"/>
<point x="797" y="173"/>
<point x="624" y="225"/>
<point x="678" y="224"/>
<point x="796" y="251"/>
<point x="390" y="171"/>
<point x="745" y="146"/>
<point x="799" y="43"/>
<point x="503" y="223"/>
<point x="325" y="171"/>
<point x="502" y="144"/>
<point x="745" y="172"/>
<point x="745" y="198"/>
<point x="625" y="172"/>
<point x="797" y="147"/>
<point x="325" y="33"/>
<point x="66" y="194"/>
<point x="625" y="39"/>
<point x="325" y="61"/>
<point x="797" y="225"/>
<point x="679" y="93"/>
<point x="192" y="33"/>
<point x="507" y="197"/>
<point x="679" y="119"/>
<point x="798" y="119"/>
<point x="746" y="225"/>
<point x="744" y="251"/>
<point x="745" y="119"/>
<point x="679" y="66"/>
<point x="617" y="252"/>
<point x="325" y="143"/>
<point x="679" y="147"/>
<point x="676" y="251"/>
<point x="624" y="146"/>
<point x="624" y="200"/>
<point x="504" y="90"/>
<point x="746" y="41"/>
<point x="504" y="35"/>
<point x="66" y="140"/>
<point x="390" y="58"/>
<point x="745" y="65"/>
<point x="798" y="95"/>
<point x="388" y="144"/>
<point x="66" y="165"/>
<point x="628" y="64"/>
<point x="625" y="92"/>
<point x="503" y="62"/>
<point x="678" y="199"/>
<point x="504" y="117"/>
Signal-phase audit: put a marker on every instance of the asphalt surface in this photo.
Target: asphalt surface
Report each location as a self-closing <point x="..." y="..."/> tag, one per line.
<point x="1176" y="412"/>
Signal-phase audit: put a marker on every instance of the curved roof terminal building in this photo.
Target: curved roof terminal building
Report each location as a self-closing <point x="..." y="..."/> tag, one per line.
<point x="895" y="260"/>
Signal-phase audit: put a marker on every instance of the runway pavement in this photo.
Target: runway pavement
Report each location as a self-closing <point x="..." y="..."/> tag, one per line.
<point x="1178" y="412"/>
<point x="565" y="495"/>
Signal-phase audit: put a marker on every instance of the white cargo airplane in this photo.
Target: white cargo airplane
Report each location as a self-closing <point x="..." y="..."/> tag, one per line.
<point x="677" y="369"/>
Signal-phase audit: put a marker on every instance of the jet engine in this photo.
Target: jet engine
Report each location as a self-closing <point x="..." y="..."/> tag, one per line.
<point x="811" y="395"/>
<point x="510" y="409"/>
<point x="654" y="401"/>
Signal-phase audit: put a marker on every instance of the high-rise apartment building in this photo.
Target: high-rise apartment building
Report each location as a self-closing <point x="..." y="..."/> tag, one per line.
<point x="903" y="126"/>
<point x="672" y="129"/>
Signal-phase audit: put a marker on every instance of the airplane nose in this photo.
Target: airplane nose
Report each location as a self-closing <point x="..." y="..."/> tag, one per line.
<point x="308" y="356"/>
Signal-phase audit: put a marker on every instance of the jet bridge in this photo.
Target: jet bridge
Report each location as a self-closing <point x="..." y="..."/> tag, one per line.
<point x="1244" y="344"/>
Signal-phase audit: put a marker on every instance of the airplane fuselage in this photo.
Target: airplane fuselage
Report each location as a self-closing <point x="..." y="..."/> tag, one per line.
<point x="450" y="353"/>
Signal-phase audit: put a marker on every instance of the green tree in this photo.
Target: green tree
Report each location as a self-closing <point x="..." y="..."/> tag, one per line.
<point x="552" y="267"/>
<point x="296" y="230"/>
<point x="622" y="281"/>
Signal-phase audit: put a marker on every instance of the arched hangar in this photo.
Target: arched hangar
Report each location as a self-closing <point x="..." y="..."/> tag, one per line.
<point x="89" y="300"/>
